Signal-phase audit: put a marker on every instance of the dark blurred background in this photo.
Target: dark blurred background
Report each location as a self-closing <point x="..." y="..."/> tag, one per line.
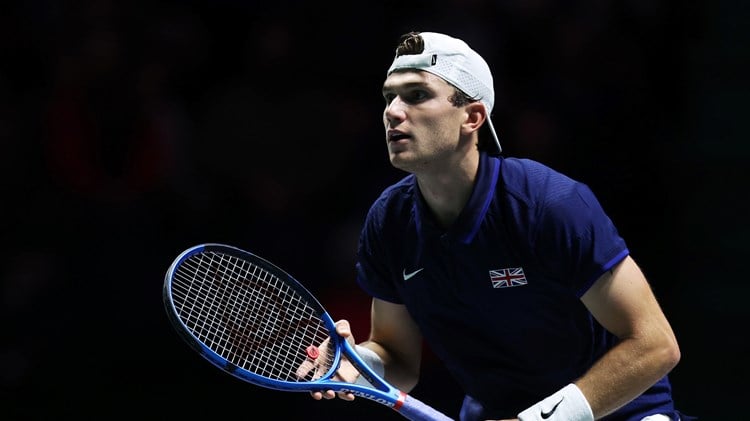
<point x="133" y="130"/>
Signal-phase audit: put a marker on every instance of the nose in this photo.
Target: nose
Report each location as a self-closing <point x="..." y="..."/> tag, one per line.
<point x="394" y="111"/>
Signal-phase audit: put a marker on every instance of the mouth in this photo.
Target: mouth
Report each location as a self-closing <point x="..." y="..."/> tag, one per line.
<point x="395" y="135"/>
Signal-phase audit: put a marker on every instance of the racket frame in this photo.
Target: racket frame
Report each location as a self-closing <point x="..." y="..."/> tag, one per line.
<point x="381" y="391"/>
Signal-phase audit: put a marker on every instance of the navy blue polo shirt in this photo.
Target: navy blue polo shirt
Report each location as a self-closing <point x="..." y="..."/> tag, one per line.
<point x="497" y="295"/>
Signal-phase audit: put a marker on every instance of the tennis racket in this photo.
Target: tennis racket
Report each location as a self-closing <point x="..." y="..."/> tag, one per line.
<point x="254" y="321"/>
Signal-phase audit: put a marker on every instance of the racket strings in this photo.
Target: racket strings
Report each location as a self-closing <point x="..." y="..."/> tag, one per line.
<point x="247" y="315"/>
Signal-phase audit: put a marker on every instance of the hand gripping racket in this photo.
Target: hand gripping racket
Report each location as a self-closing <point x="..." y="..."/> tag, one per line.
<point x="254" y="321"/>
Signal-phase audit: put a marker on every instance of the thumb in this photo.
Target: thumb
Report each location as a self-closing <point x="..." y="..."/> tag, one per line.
<point x="344" y="329"/>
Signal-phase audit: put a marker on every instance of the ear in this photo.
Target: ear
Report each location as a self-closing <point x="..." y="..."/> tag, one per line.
<point x="475" y="116"/>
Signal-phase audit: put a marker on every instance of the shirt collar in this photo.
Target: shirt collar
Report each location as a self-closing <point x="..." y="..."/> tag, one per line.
<point x="470" y="219"/>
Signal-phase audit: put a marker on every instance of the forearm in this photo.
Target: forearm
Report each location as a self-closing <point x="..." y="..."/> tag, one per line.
<point x="396" y="339"/>
<point x="622" y="302"/>
<point x="625" y="372"/>
<point x="621" y="375"/>
<point x="398" y="372"/>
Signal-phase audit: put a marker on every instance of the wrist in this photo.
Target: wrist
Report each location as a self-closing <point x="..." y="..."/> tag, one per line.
<point x="567" y="404"/>
<point x="372" y="359"/>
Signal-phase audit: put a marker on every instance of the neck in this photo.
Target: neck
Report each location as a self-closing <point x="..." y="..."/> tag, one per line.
<point x="446" y="192"/>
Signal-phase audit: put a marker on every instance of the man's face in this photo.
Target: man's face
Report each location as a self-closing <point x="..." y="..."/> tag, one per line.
<point x="421" y="124"/>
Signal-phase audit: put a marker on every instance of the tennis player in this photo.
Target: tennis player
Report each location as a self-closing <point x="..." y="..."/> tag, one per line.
<point x="511" y="272"/>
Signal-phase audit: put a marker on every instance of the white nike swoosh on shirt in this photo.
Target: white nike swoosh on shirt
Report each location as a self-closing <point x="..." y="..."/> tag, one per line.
<point x="407" y="276"/>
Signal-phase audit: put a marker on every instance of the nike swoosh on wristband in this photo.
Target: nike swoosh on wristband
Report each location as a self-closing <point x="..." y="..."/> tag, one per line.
<point x="407" y="276"/>
<point x="547" y="414"/>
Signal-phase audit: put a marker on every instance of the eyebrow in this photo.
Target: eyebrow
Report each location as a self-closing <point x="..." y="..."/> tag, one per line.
<point x="407" y="85"/>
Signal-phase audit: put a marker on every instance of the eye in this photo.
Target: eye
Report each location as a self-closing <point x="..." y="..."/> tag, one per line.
<point x="415" y="96"/>
<point x="412" y="96"/>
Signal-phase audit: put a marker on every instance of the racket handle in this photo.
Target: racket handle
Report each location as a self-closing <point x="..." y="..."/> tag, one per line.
<point x="416" y="410"/>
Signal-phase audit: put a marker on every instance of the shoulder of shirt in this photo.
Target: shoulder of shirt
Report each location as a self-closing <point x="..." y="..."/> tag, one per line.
<point x="530" y="180"/>
<point x="405" y="185"/>
<point x="398" y="194"/>
<point x="526" y="167"/>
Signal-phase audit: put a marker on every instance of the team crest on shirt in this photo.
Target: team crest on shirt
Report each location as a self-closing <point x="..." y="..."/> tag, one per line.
<point x="508" y="277"/>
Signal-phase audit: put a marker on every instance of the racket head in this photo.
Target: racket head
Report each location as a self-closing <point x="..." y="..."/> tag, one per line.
<point x="249" y="317"/>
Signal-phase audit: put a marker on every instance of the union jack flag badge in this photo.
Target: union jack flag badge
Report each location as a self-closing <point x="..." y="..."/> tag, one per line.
<point x="508" y="277"/>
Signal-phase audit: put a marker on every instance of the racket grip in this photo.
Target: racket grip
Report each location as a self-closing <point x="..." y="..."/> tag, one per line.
<point x="416" y="410"/>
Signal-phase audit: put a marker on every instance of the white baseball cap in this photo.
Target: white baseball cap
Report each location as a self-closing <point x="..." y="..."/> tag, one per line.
<point x="453" y="60"/>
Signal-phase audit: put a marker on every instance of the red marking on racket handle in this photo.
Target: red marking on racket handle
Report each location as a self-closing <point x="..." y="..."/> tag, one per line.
<point x="312" y="352"/>
<point x="400" y="401"/>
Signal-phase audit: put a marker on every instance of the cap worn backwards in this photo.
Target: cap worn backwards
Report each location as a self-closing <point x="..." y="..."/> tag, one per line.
<point x="453" y="60"/>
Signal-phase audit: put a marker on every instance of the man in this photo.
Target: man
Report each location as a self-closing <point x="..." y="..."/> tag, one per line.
<point x="511" y="272"/>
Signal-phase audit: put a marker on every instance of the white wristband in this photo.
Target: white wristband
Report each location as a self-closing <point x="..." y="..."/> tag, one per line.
<point x="567" y="404"/>
<point x="372" y="359"/>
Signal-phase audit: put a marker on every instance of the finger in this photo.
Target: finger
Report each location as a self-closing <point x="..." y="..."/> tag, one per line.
<point x="347" y="396"/>
<point x="347" y="374"/>
<point x="343" y="328"/>
<point x="305" y="368"/>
